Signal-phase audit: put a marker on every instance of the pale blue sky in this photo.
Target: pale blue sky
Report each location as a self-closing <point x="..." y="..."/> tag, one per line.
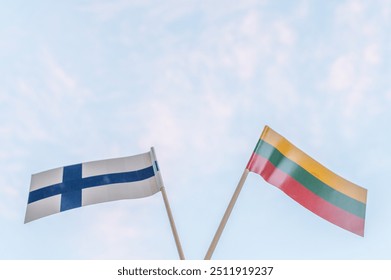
<point x="198" y="80"/>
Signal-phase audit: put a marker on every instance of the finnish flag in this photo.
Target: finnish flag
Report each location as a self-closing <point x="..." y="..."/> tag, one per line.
<point x="77" y="185"/>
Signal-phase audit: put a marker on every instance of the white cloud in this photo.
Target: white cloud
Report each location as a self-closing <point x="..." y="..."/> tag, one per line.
<point x="62" y="86"/>
<point x="355" y="80"/>
<point x="350" y="12"/>
<point x="10" y="198"/>
<point x="59" y="81"/>
<point x="229" y="66"/>
<point x="163" y="125"/>
<point x="372" y="54"/>
<point x="112" y="231"/>
<point x="182" y="130"/>
<point x="285" y="34"/>
<point x="43" y="106"/>
<point x="107" y="10"/>
<point x="342" y="72"/>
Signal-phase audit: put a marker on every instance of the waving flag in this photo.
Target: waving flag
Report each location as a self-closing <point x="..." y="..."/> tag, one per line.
<point x="308" y="182"/>
<point x="303" y="179"/>
<point x="77" y="185"/>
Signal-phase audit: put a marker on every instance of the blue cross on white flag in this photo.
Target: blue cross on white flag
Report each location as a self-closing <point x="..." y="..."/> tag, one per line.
<point x="73" y="186"/>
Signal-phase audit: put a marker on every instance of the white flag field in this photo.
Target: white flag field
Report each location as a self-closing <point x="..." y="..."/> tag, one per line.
<point x="77" y="185"/>
<point x="82" y="184"/>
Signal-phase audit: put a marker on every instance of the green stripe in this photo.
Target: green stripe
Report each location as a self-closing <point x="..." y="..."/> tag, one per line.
<point x="309" y="181"/>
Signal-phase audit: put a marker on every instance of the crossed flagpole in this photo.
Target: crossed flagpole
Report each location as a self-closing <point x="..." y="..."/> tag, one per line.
<point x="78" y="185"/>
<point x="279" y="162"/>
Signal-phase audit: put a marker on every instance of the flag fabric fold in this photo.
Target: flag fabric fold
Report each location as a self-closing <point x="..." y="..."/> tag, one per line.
<point x="77" y="185"/>
<point x="308" y="182"/>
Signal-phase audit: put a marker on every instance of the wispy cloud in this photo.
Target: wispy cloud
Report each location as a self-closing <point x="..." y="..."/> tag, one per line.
<point x="194" y="79"/>
<point x="106" y="10"/>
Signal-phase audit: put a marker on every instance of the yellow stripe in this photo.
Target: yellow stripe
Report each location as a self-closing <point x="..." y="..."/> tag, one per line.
<point x="315" y="168"/>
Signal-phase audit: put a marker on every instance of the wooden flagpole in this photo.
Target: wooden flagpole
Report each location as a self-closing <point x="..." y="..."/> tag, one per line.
<point x="167" y="205"/>
<point x="226" y="215"/>
<point x="172" y="223"/>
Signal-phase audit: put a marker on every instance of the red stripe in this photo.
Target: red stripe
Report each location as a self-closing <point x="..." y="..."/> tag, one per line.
<point x="304" y="196"/>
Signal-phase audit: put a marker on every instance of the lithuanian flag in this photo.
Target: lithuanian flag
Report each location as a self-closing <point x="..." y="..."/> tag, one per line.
<point x="308" y="182"/>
